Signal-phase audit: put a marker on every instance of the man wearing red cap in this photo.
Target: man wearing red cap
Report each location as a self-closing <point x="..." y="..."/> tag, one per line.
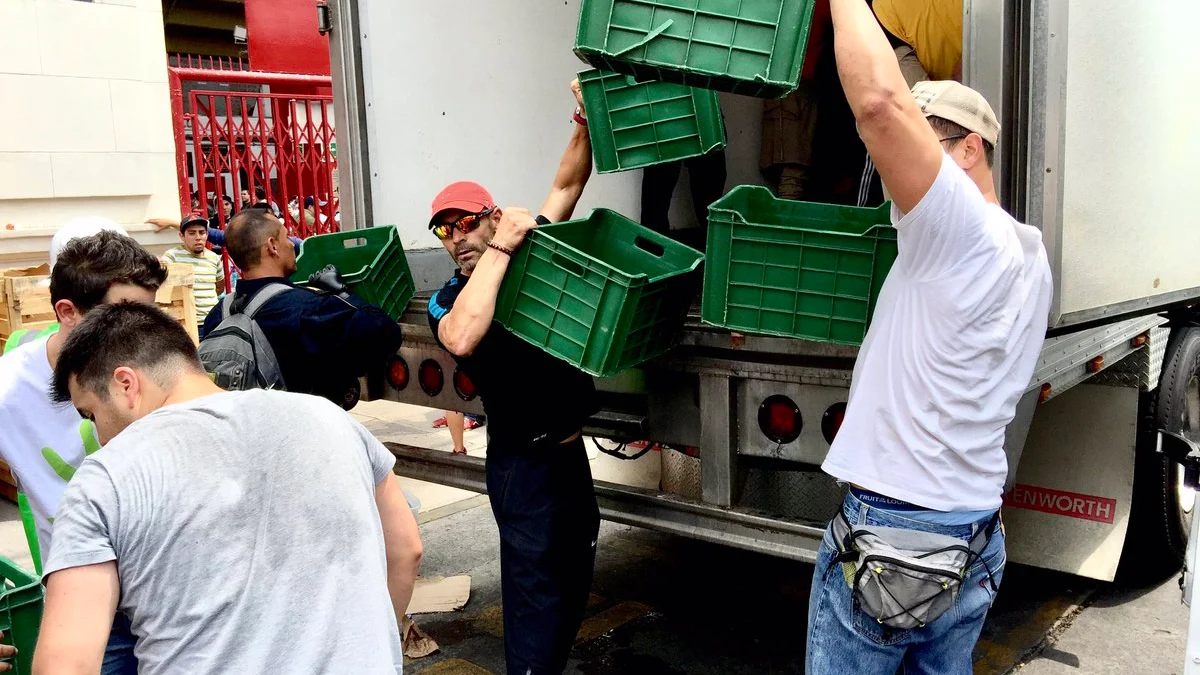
<point x="538" y="478"/>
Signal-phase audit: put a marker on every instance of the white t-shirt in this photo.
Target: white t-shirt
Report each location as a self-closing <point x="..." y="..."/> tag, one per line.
<point x="952" y="346"/>
<point x="36" y="433"/>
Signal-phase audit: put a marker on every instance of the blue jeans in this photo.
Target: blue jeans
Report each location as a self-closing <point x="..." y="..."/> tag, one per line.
<point x="118" y="654"/>
<point x="844" y="639"/>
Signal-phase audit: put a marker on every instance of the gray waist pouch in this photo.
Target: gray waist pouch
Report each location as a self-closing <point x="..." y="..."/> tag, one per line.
<point x="905" y="578"/>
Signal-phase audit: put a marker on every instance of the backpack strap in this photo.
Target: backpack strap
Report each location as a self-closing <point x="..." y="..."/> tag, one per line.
<point x="262" y="297"/>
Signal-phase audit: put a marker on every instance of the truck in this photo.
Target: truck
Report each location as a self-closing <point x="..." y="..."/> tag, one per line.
<point x="1098" y="150"/>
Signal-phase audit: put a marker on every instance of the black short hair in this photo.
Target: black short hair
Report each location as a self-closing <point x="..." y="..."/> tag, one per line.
<point x="945" y="128"/>
<point x="88" y="266"/>
<point x="246" y="233"/>
<point x="260" y="192"/>
<point x="128" y="334"/>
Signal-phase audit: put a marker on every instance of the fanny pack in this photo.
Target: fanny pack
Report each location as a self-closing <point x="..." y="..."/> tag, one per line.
<point x="905" y="578"/>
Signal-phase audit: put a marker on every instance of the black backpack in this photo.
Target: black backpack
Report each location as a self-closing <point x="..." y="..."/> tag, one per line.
<point x="236" y="354"/>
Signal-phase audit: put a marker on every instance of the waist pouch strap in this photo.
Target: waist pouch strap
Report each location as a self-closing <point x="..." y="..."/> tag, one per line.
<point x="905" y="578"/>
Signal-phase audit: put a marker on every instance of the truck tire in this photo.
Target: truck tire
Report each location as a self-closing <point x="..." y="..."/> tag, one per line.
<point x="1161" y="513"/>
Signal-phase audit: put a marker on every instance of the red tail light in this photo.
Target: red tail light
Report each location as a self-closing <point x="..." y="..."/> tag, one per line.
<point x="397" y="373"/>
<point x="430" y="377"/>
<point x="779" y="419"/>
<point x="831" y="421"/>
<point x="463" y="386"/>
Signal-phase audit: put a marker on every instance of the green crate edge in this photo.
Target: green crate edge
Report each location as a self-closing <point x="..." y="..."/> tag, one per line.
<point x="710" y="304"/>
<point x="364" y="284"/>
<point x="24" y="598"/>
<point x="375" y="295"/>
<point x="597" y="57"/>
<point x="352" y="277"/>
<point x="507" y="296"/>
<point x="605" y="155"/>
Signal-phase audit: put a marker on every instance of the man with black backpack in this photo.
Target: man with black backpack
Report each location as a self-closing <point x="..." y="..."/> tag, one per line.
<point x="272" y="334"/>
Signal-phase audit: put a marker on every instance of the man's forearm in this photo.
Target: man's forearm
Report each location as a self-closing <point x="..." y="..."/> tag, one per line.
<point x="866" y="61"/>
<point x="61" y="662"/>
<point x="573" y="172"/>
<point x="402" y="577"/>
<point x="464" y="327"/>
<point x="576" y="165"/>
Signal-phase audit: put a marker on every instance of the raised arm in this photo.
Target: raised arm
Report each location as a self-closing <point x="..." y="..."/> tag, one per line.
<point x="901" y="143"/>
<point x="573" y="171"/>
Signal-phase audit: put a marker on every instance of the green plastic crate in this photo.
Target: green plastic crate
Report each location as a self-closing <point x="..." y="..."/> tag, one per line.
<point x="636" y="124"/>
<point x="602" y="293"/>
<point x="371" y="262"/>
<point x="20" y="613"/>
<point x="797" y="269"/>
<point x="750" y="47"/>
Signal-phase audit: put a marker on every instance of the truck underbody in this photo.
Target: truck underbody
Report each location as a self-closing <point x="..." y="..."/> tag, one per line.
<point x="747" y="419"/>
<point x="724" y="478"/>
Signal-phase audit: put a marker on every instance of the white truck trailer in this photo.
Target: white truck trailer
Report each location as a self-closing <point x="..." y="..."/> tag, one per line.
<point x="1099" y="149"/>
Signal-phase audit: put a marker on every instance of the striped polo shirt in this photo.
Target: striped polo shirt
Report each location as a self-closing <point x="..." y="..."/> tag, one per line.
<point x="209" y="277"/>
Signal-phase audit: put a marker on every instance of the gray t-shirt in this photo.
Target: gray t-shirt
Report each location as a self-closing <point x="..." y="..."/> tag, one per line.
<point x="246" y="537"/>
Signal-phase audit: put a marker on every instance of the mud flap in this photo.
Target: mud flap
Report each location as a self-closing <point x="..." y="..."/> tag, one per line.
<point x="1069" y="507"/>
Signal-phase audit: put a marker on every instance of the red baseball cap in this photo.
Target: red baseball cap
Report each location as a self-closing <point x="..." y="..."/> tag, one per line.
<point x="464" y="196"/>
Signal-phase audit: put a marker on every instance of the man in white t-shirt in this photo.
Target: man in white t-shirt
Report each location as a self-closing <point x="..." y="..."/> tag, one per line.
<point x="951" y="348"/>
<point x="45" y="442"/>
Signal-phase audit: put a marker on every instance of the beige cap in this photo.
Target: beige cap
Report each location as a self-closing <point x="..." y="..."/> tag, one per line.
<point x="960" y="104"/>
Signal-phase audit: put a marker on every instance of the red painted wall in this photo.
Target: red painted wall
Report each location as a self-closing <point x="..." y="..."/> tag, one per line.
<point x="282" y="37"/>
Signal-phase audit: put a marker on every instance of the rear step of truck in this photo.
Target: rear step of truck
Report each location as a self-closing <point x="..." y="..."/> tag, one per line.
<point x="738" y="527"/>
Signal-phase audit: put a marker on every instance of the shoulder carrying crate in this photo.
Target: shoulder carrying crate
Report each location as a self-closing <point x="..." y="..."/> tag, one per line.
<point x="371" y="262"/>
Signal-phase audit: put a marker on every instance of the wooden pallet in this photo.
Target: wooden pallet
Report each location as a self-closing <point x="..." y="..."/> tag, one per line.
<point x="25" y="299"/>
<point x="175" y="297"/>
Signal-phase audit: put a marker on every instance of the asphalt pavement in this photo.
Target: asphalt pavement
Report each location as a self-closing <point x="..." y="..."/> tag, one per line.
<point x="667" y="605"/>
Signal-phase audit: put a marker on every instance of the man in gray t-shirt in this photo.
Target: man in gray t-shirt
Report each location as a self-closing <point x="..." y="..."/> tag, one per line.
<point x="241" y="532"/>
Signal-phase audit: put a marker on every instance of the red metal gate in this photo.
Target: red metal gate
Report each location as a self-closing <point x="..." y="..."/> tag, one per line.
<point x="231" y="144"/>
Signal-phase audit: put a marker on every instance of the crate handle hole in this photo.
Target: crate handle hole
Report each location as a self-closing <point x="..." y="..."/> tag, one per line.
<point x="354" y="243"/>
<point x="652" y="247"/>
<point x="567" y="264"/>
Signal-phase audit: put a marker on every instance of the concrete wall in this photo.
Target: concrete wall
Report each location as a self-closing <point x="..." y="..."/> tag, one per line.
<point x="85" y="125"/>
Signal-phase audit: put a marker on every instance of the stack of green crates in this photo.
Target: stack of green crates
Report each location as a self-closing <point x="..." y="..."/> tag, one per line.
<point x="795" y="269"/>
<point x="636" y="124"/>
<point x="602" y="293"/>
<point x="750" y="47"/>
<point x="20" y="613"/>
<point x="371" y="261"/>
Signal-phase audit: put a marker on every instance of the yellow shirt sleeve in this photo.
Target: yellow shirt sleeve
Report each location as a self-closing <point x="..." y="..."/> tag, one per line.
<point x="933" y="28"/>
